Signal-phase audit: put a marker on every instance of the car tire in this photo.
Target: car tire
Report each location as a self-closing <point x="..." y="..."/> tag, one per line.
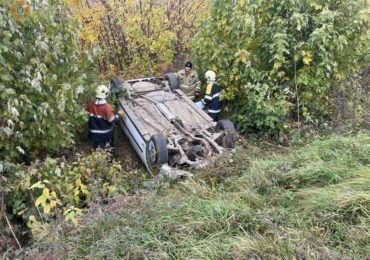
<point x="228" y="140"/>
<point x="116" y="84"/>
<point x="156" y="151"/>
<point x="173" y="81"/>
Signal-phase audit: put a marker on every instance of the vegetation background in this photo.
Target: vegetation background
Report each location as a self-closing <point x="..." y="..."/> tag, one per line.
<point x="295" y="81"/>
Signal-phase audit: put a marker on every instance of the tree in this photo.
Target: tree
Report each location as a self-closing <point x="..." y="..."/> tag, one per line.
<point x="139" y="38"/>
<point x="277" y="59"/>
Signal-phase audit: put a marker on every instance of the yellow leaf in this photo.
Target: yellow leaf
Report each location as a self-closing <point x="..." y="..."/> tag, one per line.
<point x="78" y="183"/>
<point x="67" y="217"/>
<point x="40" y="200"/>
<point x="21" y="211"/>
<point x="111" y="189"/>
<point x="32" y="219"/>
<point x="53" y="194"/>
<point x="316" y="6"/>
<point x="45" y="192"/>
<point x="74" y="221"/>
<point x="53" y="204"/>
<point x="84" y="190"/>
<point x="307" y="58"/>
<point x="78" y="211"/>
<point x="47" y="209"/>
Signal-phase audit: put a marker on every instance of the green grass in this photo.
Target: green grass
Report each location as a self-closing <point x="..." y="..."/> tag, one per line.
<point x="309" y="202"/>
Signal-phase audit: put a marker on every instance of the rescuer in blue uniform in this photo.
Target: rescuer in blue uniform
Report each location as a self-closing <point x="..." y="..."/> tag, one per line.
<point x="211" y="99"/>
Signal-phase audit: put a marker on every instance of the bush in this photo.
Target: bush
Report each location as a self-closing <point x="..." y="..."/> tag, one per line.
<point x="277" y="59"/>
<point x="42" y="74"/>
<point x="57" y="189"/>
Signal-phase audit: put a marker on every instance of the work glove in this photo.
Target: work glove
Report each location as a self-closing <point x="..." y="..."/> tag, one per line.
<point x="121" y="112"/>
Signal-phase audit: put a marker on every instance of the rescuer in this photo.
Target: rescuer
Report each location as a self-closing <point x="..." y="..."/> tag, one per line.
<point x="189" y="81"/>
<point x="211" y="99"/>
<point x="101" y="120"/>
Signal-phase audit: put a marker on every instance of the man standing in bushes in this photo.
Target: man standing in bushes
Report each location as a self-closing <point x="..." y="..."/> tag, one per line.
<point x="211" y="101"/>
<point x="101" y="120"/>
<point x="189" y="81"/>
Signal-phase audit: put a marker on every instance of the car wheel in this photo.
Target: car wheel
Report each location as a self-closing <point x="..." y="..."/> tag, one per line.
<point x="173" y="81"/>
<point x="156" y="151"/>
<point x="228" y="140"/>
<point x="116" y="84"/>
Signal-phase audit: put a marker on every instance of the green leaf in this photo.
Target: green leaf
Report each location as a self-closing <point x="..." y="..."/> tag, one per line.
<point x="37" y="185"/>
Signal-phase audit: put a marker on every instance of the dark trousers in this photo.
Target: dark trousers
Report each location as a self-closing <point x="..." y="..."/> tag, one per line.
<point x="214" y="116"/>
<point x="104" y="142"/>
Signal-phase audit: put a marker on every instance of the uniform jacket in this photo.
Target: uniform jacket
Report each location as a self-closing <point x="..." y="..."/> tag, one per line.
<point x="188" y="79"/>
<point x="188" y="82"/>
<point x="101" y="119"/>
<point x="211" y="99"/>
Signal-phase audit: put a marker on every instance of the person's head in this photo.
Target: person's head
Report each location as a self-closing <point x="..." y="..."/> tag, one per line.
<point x="188" y="66"/>
<point x="210" y="76"/>
<point x="102" y="92"/>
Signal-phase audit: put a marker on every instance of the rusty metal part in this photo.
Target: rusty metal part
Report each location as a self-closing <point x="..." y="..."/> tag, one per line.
<point x="206" y="144"/>
<point x="218" y="148"/>
<point x="184" y="157"/>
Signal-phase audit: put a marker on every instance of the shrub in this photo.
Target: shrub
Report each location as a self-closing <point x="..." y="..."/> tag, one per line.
<point x="57" y="190"/>
<point x="42" y="72"/>
<point x="277" y="59"/>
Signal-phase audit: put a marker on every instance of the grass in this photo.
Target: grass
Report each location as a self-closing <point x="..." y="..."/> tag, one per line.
<point x="310" y="202"/>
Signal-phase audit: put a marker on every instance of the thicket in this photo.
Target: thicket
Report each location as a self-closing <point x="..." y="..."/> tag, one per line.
<point x="43" y="75"/>
<point x="283" y="61"/>
<point x="139" y="38"/>
<point x="53" y="191"/>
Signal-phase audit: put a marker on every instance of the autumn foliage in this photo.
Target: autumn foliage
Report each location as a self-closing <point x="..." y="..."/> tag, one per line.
<point x="138" y="38"/>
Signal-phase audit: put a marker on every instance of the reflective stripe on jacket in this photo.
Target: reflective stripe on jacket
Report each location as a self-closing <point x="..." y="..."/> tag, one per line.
<point x="211" y="100"/>
<point x="101" y="120"/>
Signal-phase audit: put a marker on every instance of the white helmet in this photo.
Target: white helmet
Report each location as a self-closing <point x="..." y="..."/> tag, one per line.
<point x="102" y="91"/>
<point x="210" y="75"/>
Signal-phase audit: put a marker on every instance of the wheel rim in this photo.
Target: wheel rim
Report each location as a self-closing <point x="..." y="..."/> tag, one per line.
<point x="152" y="152"/>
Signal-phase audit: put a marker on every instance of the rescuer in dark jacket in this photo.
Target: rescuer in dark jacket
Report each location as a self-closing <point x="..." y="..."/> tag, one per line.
<point x="101" y="120"/>
<point x="211" y="99"/>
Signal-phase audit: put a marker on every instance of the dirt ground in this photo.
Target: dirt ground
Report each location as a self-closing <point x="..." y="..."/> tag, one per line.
<point x="125" y="154"/>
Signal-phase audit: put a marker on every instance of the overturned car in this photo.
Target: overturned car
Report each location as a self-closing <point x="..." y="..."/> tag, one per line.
<point x="165" y="127"/>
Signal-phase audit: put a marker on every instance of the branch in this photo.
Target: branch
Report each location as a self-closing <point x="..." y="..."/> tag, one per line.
<point x="10" y="226"/>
